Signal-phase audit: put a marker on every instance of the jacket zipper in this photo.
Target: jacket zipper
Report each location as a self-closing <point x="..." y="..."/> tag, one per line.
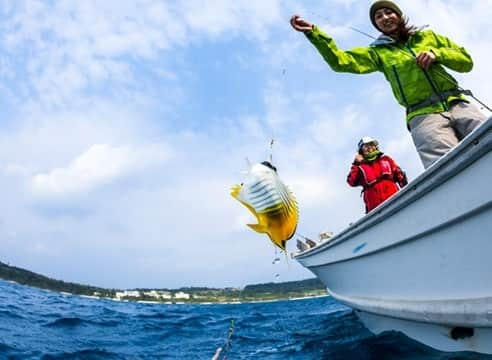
<point x="399" y="85"/>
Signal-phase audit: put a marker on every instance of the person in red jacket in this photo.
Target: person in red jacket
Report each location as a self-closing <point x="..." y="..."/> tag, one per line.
<point x="378" y="174"/>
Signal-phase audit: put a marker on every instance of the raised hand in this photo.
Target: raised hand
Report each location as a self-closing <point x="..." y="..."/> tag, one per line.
<point x="358" y="158"/>
<point x="300" y="24"/>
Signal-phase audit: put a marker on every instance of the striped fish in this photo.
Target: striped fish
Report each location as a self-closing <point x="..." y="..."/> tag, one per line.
<point x="270" y="201"/>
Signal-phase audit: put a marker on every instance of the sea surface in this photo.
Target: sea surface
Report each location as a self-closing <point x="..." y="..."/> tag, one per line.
<point x="39" y="324"/>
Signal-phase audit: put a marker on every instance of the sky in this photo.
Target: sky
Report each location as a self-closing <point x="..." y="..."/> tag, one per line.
<point x="125" y="124"/>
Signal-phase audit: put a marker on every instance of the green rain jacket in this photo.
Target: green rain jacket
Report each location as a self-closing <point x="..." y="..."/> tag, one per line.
<point x="411" y="84"/>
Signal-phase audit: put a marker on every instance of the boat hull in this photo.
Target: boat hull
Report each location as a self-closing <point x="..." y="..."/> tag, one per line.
<point x="435" y="335"/>
<point x="422" y="259"/>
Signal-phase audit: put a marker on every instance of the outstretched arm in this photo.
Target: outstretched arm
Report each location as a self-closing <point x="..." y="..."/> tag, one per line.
<point x="356" y="61"/>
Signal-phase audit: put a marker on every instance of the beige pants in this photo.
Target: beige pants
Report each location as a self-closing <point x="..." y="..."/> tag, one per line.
<point x="435" y="134"/>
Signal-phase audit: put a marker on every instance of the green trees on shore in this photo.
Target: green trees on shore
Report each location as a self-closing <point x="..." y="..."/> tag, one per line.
<point x="26" y="277"/>
<point x="258" y="292"/>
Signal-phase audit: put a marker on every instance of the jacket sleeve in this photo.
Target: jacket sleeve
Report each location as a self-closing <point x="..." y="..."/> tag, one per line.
<point x="399" y="175"/>
<point x="451" y="54"/>
<point x="357" y="60"/>
<point x="353" y="178"/>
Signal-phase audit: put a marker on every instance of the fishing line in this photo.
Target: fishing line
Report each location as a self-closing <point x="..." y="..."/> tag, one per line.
<point x="362" y="32"/>
<point x="271" y="150"/>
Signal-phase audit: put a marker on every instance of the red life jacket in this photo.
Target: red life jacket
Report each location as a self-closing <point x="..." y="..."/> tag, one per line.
<point x="377" y="178"/>
<point x="372" y="174"/>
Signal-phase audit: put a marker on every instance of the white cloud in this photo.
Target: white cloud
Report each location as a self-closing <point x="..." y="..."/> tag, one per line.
<point x="71" y="47"/>
<point x="99" y="165"/>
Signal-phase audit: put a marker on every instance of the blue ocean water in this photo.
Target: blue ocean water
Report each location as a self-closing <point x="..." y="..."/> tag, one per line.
<point x="38" y="324"/>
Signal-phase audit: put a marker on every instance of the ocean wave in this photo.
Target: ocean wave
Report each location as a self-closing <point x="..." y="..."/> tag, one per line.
<point x="8" y="314"/>
<point x="93" y="354"/>
<point x="5" y="349"/>
<point x="66" y="322"/>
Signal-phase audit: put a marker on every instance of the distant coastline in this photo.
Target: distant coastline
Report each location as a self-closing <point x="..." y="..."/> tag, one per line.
<point x="292" y="290"/>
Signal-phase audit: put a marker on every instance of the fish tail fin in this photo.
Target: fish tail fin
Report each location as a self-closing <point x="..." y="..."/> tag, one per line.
<point x="281" y="245"/>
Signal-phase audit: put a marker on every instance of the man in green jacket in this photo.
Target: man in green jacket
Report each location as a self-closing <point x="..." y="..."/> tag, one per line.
<point x="413" y="61"/>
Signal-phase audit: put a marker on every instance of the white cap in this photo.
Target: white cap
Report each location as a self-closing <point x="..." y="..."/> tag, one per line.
<point x="366" y="140"/>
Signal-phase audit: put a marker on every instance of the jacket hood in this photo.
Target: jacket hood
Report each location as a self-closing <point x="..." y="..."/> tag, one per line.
<point x="384" y="39"/>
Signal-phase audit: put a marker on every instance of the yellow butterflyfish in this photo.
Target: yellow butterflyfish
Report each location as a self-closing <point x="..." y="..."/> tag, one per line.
<point x="270" y="201"/>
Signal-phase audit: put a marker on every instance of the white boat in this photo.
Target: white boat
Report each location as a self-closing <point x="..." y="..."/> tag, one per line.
<point x="421" y="263"/>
